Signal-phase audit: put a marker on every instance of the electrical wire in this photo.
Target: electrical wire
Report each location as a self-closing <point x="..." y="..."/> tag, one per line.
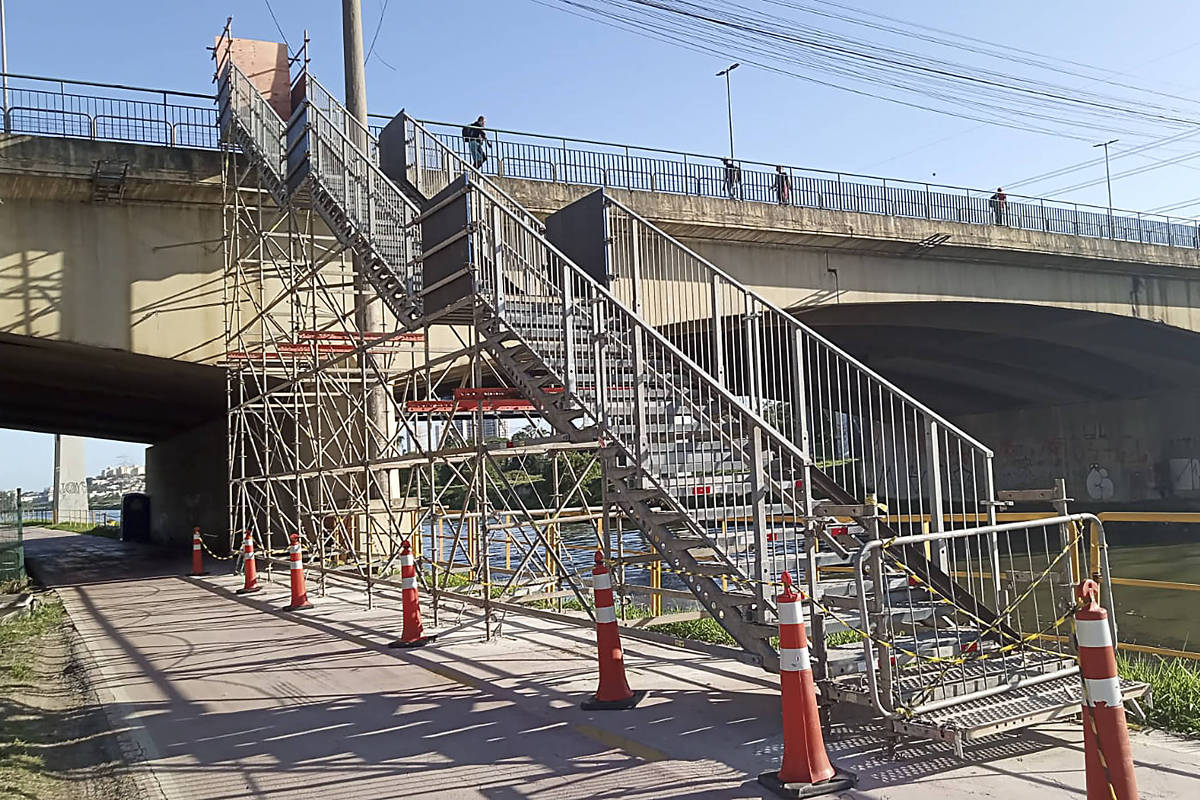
<point x="865" y="67"/>
<point x="275" y="19"/>
<point x="378" y="28"/>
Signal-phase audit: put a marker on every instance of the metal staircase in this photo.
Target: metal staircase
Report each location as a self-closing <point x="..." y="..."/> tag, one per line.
<point x="736" y="438"/>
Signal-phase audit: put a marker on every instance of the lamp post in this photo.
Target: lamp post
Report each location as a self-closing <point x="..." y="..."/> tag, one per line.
<point x="729" y="101"/>
<point x="4" y="64"/>
<point x="1108" y="178"/>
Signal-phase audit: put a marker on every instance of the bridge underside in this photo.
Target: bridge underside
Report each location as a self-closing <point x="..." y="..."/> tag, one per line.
<point x="62" y="387"/>
<point x="973" y="358"/>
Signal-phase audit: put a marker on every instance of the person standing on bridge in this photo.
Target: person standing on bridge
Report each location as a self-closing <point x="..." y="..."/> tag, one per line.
<point x="783" y="186"/>
<point x="733" y="178"/>
<point x="475" y="135"/>
<point x="998" y="202"/>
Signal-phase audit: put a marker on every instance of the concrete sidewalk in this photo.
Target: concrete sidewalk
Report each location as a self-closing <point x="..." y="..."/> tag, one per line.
<point x="228" y="697"/>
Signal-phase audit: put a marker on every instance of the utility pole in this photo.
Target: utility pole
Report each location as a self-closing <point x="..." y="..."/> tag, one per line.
<point x="369" y="308"/>
<point x="1108" y="178"/>
<point x="729" y="101"/>
<point x="4" y="64"/>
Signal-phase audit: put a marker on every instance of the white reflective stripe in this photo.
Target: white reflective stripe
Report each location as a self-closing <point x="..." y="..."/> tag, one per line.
<point x="1093" y="633"/>
<point x="1102" y="690"/>
<point x="195" y="547"/>
<point x="606" y="614"/>
<point x="406" y="561"/>
<point x="408" y="583"/>
<point x="294" y="548"/>
<point x="794" y="659"/>
<point x="297" y="564"/>
<point x="790" y="613"/>
<point x="602" y="581"/>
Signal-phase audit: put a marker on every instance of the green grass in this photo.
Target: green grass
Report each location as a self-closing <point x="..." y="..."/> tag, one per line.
<point x="842" y="637"/>
<point x="700" y="630"/>
<point x="107" y="531"/>
<point x="1174" y="686"/>
<point x="24" y="772"/>
<point x="14" y="586"/>
<point x="16" y="657"/>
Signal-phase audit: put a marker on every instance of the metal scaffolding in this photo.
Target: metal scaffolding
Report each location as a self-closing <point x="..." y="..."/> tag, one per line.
<point x="452" y="471"/>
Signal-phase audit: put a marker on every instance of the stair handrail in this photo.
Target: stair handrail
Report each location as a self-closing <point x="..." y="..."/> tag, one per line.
<point x="268" y="135"/>
<point x="771" y="446"/>
<point x="791" y="321"/>
<point x="420" y="133"/>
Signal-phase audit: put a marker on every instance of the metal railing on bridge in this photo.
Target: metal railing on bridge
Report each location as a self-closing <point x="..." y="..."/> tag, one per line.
<point x="58" y="107"/>
<point x="110" y="112"/>
<point x="531" y="156"/>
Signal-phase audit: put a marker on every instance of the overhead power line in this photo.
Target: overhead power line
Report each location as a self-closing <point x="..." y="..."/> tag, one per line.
<point x="751" y="32"/>
<point x="275" y="19"/>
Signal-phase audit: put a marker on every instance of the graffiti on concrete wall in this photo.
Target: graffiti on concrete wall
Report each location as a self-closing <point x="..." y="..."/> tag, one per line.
<point x="1099" y="485"/>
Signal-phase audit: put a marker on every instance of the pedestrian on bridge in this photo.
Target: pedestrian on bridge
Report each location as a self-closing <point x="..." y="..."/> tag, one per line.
<point x="998" y="202"/>
<point x="783" y="186"/>
<point x="733" y="178"/>
<point x="475" y="135"/>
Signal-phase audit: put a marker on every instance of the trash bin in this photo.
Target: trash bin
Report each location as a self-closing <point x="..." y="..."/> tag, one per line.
<point x="135" y="517"/>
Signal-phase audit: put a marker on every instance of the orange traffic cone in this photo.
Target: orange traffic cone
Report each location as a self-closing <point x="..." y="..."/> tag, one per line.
<point x="1106" y="754"/>
<point x="197" y="553"/>
<point x="249" y="568"/>
<point x="299" y="591"/>
<point x="413" y="633"/>
<point x="806" y="770"/>
<point x="614" y="692"/>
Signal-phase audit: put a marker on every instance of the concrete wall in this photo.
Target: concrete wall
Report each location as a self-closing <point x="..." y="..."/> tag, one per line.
<point x="787" y="253"/>
<point x="1118" y="454"/>
<point x="186" y="480"/>
<point x="114" y="276"/>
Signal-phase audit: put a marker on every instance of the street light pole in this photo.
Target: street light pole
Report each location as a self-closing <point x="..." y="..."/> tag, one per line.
<point x="729" y="101"/>
<point x="1108" y="175"/>
<point x="4" y="64"/>
<point x="368" y="315"/>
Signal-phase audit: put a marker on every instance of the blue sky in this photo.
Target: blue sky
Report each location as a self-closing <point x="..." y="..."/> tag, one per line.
<point x="27" y="459"/>
<point x="528" y="67"/>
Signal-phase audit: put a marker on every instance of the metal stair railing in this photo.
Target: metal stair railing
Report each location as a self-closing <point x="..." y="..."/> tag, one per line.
<point x="248" y="120"/>
<point x="357" y="201"/>
<point x="432" y="166"/>
<point x="785" y="550"/>
<point x="864" y="438"/>
<point x="634" y="386"/>
<point x="861" y="431"/>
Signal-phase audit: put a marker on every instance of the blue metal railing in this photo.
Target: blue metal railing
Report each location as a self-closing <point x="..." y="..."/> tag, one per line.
<point x="514" y="154"/>
<point x="110" y="112"/>
<point x="82" y="109"/>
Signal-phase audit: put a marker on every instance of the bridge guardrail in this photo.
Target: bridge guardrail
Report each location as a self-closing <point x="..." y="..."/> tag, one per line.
<point x="58" y="107"/>
<point x="556" y="159"/>
<point x="109" y="112"/>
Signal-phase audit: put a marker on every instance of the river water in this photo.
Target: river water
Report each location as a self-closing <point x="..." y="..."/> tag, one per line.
<point x="1162" y="617"/>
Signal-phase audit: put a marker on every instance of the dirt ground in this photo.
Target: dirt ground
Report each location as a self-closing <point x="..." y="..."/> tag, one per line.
<point x="55" y="739"/>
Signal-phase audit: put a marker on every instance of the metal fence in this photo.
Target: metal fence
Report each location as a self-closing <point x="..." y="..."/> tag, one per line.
<point x="12" y="545"/>
<point x="530" y="156"/>
<point x="111" y="112"/>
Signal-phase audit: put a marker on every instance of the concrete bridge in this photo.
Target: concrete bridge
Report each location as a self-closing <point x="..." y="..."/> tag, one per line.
<point x="1069" y="354"/>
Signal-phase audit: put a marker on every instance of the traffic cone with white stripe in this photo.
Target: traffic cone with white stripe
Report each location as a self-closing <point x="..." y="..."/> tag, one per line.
<point x="614" y="692"/>
<point x="806" y="770"/>
<point x="1106" y="755"/>
<point x="249" y="568"/>
<point x="299" y="590"/>
<point x="413" y="633"/>
<point x="197" y="553"/>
